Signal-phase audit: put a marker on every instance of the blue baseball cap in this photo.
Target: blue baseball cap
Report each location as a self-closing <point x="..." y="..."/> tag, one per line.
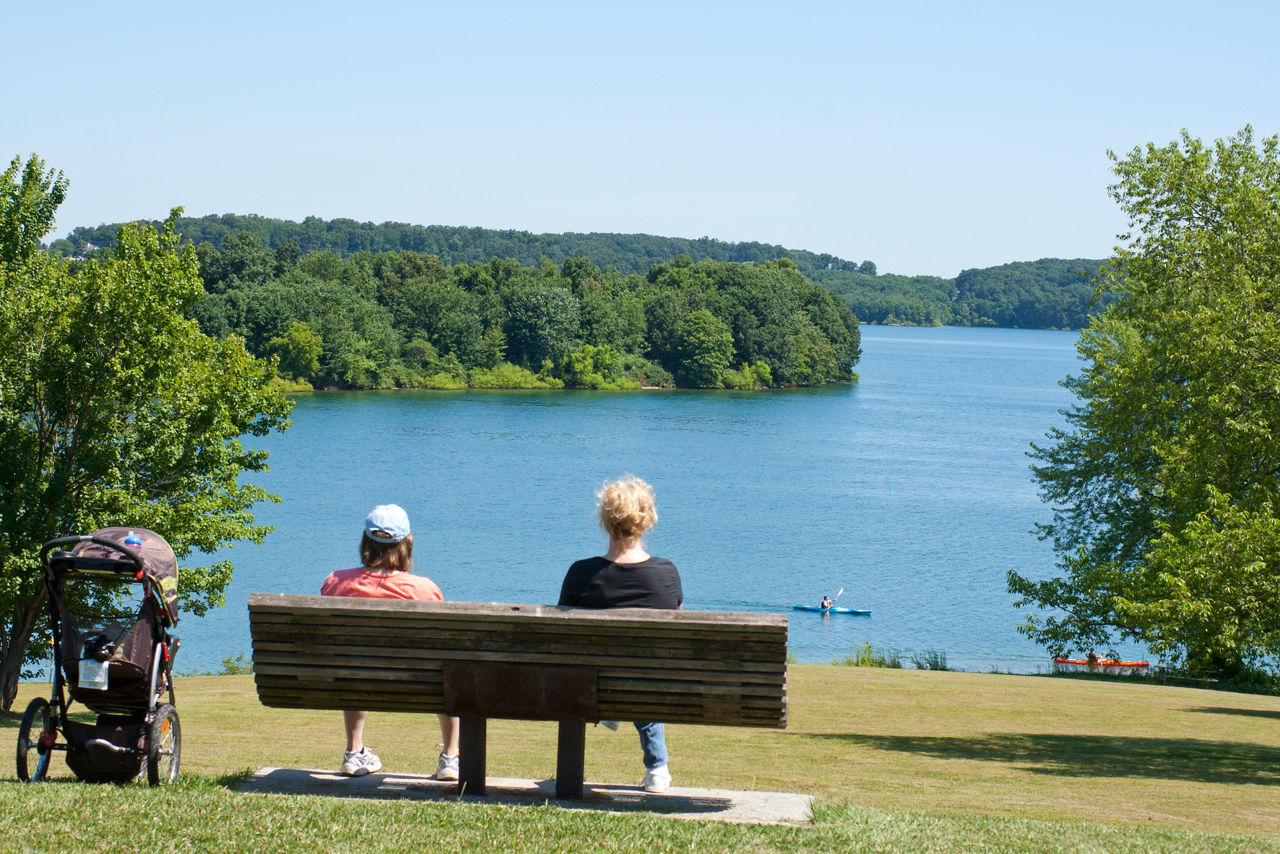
<point x="387" y="523"/>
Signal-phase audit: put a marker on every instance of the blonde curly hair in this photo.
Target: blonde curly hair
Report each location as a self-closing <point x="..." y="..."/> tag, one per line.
<point x="627" y="509"/>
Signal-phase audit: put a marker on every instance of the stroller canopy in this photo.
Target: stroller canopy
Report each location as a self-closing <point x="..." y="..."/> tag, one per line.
<point x="158" y="559"/>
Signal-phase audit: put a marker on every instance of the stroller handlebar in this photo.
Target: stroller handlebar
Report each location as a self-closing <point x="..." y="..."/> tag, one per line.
<point x="89" y="538"/>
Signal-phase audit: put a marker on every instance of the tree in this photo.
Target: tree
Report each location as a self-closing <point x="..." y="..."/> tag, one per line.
<point x="115" y="409"/>
<point x="839" y="326"/>
<point x="243" y="262"/>
<point x="1166" y="481"/>
<point x="665" y="312"/>
<point x="798" y="353"/>
<point x="27" y="207"/>
<point x="287" y="255"/>
<point x="359" y="342"/>
<point x="542" y="324"/>
<point x="298" y="350"/>
<point x="445" y="314"/>
<point x="705" y="349"/>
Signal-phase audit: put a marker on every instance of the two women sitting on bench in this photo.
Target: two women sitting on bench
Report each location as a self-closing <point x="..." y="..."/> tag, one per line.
<point x="626" y="576"/>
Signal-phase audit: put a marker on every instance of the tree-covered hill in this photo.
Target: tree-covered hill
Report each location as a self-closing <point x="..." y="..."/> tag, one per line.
<point x="1049" y="293"/>
<point x="628" y="253"/>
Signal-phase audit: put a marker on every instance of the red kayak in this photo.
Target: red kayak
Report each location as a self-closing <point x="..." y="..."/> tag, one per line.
<point x="1101" y="662"/>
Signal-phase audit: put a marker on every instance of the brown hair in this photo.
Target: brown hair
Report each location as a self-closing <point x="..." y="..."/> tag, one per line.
<point x="627" y="509"/>
<point x="394" y="557"/>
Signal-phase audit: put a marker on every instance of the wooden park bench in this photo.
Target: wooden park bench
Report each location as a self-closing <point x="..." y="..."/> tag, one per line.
<point x="527" y="662"/>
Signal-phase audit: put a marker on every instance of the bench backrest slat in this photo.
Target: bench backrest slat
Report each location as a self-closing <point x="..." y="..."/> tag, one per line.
<point x="391" y="655"/>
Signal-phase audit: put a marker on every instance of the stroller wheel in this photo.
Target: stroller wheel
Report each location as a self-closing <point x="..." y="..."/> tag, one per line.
<point x="32" y="762"/>
<point x="164" y="746"/>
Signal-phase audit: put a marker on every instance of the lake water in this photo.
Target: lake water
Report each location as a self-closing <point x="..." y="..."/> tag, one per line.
<point x="911" y="490"/>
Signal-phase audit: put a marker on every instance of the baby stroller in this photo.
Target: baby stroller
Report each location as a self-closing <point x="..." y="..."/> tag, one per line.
<point x="119" y="669"/>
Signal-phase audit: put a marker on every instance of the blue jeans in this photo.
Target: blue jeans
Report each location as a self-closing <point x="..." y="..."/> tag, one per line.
<point x="653" y="741"/>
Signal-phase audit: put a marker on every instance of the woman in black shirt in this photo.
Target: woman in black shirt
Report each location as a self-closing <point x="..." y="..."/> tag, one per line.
<point x="627" y="576"/>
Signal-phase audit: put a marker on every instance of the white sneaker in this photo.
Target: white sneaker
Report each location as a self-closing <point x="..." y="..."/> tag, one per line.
<point x="447" y="767"/>
<point x="610" y="725"/>
<point x="656" y="780"/>
<point x="357" y="763"/>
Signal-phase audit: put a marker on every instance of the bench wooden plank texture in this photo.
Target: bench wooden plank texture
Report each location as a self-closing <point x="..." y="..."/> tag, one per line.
<point x="532" y="662"/>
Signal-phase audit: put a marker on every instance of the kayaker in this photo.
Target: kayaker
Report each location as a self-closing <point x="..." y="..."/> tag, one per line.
<point x="826" y="603"/>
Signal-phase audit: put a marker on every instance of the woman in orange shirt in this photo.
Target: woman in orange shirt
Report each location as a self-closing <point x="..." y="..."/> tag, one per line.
<point x="386" y="552"/>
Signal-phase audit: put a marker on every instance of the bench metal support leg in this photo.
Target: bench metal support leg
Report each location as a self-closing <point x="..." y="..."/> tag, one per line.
<point x="570" y="755"/>
<point x="472" y="735"/>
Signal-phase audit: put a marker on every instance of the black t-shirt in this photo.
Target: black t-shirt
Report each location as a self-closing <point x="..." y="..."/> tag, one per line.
<point x="600" y="583"/>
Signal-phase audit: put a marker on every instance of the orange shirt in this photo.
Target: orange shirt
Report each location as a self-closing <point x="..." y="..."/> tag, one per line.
<point x="371" y="584"/>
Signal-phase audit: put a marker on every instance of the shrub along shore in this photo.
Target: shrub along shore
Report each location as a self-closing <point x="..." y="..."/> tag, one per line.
<point x="897" y="759"/>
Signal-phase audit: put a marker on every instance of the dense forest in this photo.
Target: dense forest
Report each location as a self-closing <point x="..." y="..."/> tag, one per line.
<point x="1049" y="294"/>
<point x="628" y="253"/>
<point x="405" y="319"/>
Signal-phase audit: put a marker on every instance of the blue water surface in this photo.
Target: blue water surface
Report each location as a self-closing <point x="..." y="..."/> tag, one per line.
<point x="911" y="490"/>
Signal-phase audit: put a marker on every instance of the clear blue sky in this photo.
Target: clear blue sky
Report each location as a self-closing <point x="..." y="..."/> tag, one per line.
<point x="926" y="137"/>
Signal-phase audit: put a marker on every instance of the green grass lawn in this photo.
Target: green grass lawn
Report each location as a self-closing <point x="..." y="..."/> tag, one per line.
<point x="899" y="760"/>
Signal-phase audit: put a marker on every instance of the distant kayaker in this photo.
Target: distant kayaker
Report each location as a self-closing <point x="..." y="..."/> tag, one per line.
<point x="826" y="603"/>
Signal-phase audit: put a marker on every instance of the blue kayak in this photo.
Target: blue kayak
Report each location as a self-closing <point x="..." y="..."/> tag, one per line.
<point x="855" y="611"/>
